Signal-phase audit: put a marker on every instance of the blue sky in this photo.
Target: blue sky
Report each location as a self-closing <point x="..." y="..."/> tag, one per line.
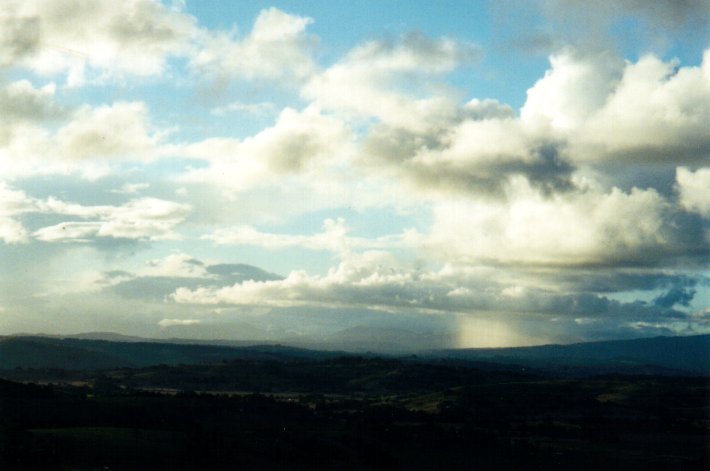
<point x="365" y="175"/>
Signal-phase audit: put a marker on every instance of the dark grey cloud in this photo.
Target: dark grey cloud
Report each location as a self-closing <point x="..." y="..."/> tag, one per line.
<point x="158" y="288"/>
<point x="112" y="274"/>
<point x="667" y="14"/>
<point x="594" y="306"/>
<point x="294" y="152"/>
<point x="146" y="23"/>
<point x="154" y="288"/>
<point x="19" y="37"/>
<point x="542" y="163"/>
<point x="610" y="281"/>
<point x="637" y="310"/>
<point x="677" y="295"/>
<point x="238" y="272"/>
<point x="545" y="26"/>
<point x="389" y="290"/>
<point x="21" y="102"/>
<point x="433" y="54"/>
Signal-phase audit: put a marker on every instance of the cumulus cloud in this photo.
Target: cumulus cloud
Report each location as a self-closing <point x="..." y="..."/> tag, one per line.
<point x="574" y="230"/>
<point x="597" y="185"/>
<point x="656" y="113"/>
<point x="139" y="219"/>
<point x="575" y="86"/>
<point x="589" y="115"/>
<point x="354" y="281"/>
<point x="100" y="38"/>
<point x="277" y="47"/>
<point x="86" y="141"/>
<point x="21" y="101"/>
<point x="131" y="188"/>
<point x="118" y="130"/>
<point x="376" y="281"/>
<point x="677" y="295"/>
<point x="12" y="231"/>
<point x="159" y="278"/>
<point x="19" y="35"/>
<point x="548" y="210"/>
<point x="255" y="109"/>
<point x="100" y="41"/>
<point x="669" y="14"/>
<point x="474" y="156"/>
<point x="588" y="109"/>
<point x="172" y="322"/>
<point x="596" y="25"/>
<point x="300" y="142"/>
<point x="634" y="113"/>
<point x="178" y="265"/>
<point x="22" y="108"/>
<point x="13" y="203"/>
<point x="694" y="189"/>
<point x="334" y="238"/>
<point x="367" y="82"/>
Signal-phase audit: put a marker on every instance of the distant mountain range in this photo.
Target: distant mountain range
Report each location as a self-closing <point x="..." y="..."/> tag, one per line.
<point x="659" y="355"/>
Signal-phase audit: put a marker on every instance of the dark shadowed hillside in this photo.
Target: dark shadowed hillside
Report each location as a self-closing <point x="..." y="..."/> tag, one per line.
<point x="660" y="355"/>
<point x="351" y="413"/>
<point x="654" y="355"/>
<point x="78" y="354"/>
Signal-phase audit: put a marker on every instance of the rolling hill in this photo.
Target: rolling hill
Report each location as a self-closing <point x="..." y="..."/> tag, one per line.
<point x="659" y="355"/>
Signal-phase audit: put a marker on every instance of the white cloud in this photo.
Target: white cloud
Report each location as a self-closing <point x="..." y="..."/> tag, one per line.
<point x="354" y="281"/>
<point x="13" y="203"/>
<point x="256" y="109"/>
<point x="19" y="34"/>
<point x="669" y="14"/>
<point x="178" y="265"/>
<point x="104" y="40"/>
<point x="12" y="231"/>
<point x="528" y="212"/>
<point x="301" y="142"/>
<point x="138" y="219"/>
<point x="657" y="112"/>
<point x="118" y="130"/>
<point x="377" y="281"/>
<point x="68" y="231"/>
<point x="334" y="238"/>
<point x="365" y="83"/>
<point x="573" y="230"/>
<point x="587" y="112"/>
<point x="22" y="108"/>
<point x="86" y="142"/>
<point x="572" y="89"/>
<point x="99" y="38"/>
<point x="634" y="113"/>
<point x="173" y="322"/>
<point x="694" y="190"/>
<point x="277" y="47"/>
<point x="21" y="101"/>
<point x="131" y="188"/>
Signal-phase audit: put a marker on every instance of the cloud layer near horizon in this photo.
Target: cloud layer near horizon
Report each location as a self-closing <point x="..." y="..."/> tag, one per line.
<point x="375" y="186"/>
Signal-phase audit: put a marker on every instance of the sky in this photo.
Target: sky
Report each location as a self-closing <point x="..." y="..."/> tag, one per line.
<point x="374" y="174"/>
